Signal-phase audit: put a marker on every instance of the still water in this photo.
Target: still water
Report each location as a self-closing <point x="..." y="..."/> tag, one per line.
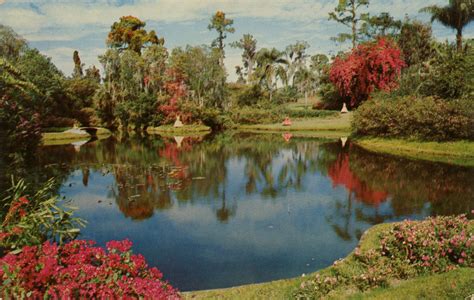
<point x="232" y="209"/>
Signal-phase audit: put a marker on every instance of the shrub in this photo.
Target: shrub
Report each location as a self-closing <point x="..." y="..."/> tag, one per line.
<point x="78" y="270"/>
<point x="435" y="245"/>
<point x="286" y="95"/>
<point x="418" y="118"/>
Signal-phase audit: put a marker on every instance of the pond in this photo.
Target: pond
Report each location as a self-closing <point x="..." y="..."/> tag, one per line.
<point x="232" y="209"/>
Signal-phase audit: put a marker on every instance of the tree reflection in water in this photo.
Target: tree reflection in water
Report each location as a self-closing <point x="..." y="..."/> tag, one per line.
<point x="155" y="173"/>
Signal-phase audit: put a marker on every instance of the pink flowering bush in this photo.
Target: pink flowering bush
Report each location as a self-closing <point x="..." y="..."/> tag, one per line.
<point x="79" y="270"/>
<point x="409" y="249"/>
<point x="435" y="245"/>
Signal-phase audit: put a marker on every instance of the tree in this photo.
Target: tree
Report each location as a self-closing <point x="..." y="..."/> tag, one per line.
<point x="382" y="25"/>
<point x="129" y="33"/>
<point x="456" y="15"/>
<point x="202" y="72"/>
<point x="19" y="123"/>
<point x="223" y="26"/>
<point x="270" y="63"/>
<point x="11" y="44"/>
<point x="93" y="73"/>
<point x="306" y="81"/>
<point x="296" y="59"/>
<point x="249" y="46"/>
<point x="39" y="70"/>
<point x="371" y="66"/>
<point x="78" y="73"/>
<point x="415" y="42"/>
<point x="346" y="14"/>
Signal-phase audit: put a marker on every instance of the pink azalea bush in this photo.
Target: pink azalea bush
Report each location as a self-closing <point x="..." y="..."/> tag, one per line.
<point x="435" y="245"/>
<point x="79" y="270"/>
<point x="409" y="249"/>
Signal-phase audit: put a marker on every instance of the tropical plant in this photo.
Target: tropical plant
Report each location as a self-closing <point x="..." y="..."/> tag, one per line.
<point x="456" y="15"/>
<point x="33" y="219"/>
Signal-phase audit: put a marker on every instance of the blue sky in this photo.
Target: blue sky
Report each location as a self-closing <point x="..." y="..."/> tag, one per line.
<point x="58" y="27"/>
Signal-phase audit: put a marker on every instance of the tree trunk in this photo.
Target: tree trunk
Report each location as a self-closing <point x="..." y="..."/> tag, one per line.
<point x="354" y="24"/>
<point x="459" y="40"/>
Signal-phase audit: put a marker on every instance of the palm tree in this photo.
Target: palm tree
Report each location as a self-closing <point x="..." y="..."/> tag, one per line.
<point x="457" y="14"/>
<point x="268" y="65"/>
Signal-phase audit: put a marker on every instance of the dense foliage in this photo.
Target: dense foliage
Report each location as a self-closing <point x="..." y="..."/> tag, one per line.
<point x="371" y="66"/>
<point x="417" y="118"/>
<point x="78" y="270"/>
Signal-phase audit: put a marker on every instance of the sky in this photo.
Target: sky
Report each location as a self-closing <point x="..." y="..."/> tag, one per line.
<point x="58" y="27"/>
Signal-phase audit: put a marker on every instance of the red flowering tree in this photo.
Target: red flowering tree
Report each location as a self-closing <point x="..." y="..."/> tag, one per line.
<point x="78" y="270"/>
<point x="175" y="87"/>
<point x="371" y="66"/>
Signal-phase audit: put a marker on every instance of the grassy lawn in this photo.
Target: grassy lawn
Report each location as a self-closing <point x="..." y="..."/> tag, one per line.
<point x="339" y="123"/>
<point x="456" y="284"/>
<point x="186" y="129"/>
<point x="459" y="152"/>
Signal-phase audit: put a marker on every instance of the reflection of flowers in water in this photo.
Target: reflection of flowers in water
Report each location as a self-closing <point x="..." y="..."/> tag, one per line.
<point x="341" y="174"/>
<point x="179" y="172"/>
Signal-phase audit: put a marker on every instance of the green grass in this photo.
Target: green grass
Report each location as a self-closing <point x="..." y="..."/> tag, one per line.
<point x="64" y="138"/>
<point x="329" y="134"/>
<point x="54" y="136"/>
<point x="459" y="152"/>
<point x="457" y="284"/>
<point x="340" y="122"/>
<point x="186" y="129"/>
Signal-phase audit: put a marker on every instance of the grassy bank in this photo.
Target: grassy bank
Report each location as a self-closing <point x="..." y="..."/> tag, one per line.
<point x="185" y="130"/>
<point x="62" y="138"/>
<point x="459" y="152"/>
<point x="459" y="282"/>
<point x="337" y="123"/>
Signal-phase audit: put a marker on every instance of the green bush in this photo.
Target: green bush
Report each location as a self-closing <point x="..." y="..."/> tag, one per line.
<point x="254" y="115"/>
<point x="417" y="118"/>
<point x="286" y="95"/>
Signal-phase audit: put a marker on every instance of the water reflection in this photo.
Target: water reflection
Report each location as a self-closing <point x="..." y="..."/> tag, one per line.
<point x="231" y="209"/>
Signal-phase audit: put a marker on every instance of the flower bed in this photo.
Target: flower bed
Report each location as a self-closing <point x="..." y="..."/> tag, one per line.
<point x="80" y="270"/>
